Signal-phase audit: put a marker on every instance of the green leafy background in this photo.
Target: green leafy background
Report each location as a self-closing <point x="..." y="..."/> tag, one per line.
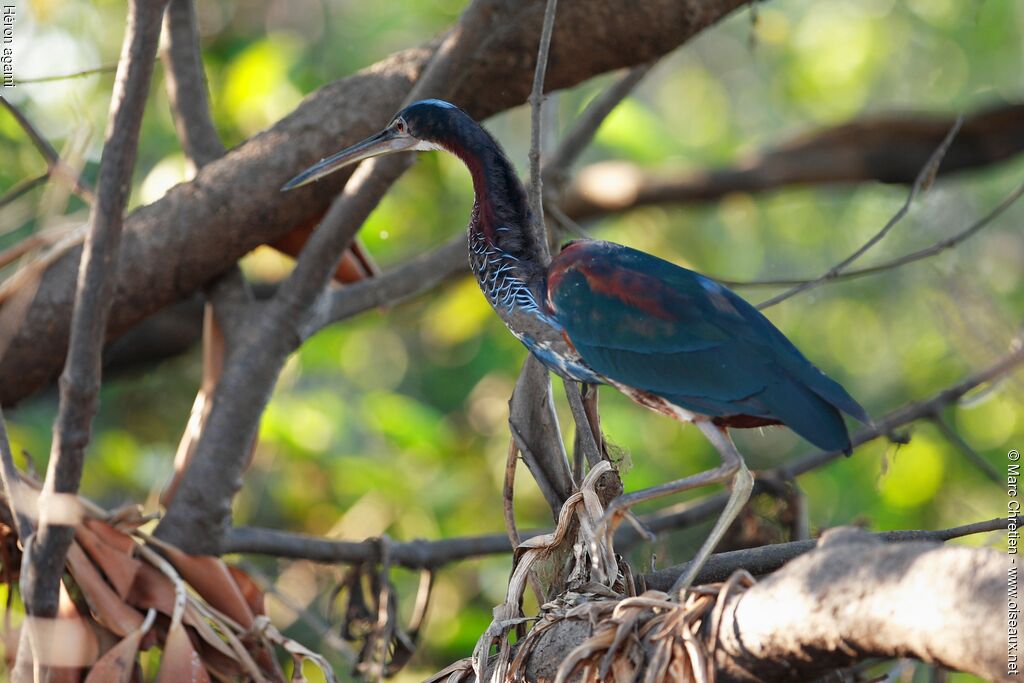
<point x="395" y="422"/>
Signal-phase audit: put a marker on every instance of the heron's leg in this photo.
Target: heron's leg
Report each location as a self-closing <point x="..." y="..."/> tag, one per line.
<point x="742" y="485"/>
<point x="732" y="469"/>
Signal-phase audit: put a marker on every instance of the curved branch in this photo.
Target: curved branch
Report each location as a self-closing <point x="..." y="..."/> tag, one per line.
<point x="414" y="277"/>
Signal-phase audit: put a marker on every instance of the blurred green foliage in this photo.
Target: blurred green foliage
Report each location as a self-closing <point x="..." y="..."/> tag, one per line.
<point x="395" y="422"/>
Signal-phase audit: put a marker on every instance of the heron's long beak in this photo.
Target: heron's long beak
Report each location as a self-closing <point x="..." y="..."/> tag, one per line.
<point x="387" y="141"/>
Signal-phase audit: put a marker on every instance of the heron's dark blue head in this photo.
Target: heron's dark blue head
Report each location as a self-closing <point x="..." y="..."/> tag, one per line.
<point x="422" y="126"/>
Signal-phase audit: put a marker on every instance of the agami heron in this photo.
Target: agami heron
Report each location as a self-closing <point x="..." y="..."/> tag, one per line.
<point x="671" y="339"/>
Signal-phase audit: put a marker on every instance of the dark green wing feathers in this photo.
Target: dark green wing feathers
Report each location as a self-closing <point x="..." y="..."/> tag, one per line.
<point x="648" y="324"/>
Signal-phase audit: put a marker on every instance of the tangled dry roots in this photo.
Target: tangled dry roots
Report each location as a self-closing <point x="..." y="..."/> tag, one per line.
<point x="648" y="638"/>
<point x="597" y="629"/>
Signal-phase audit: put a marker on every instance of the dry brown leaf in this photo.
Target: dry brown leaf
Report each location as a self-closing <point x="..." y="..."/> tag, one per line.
<point x="110" y="535"/>
<point x="206" y="633"/>
<point x="180" y="663"/>
<point x="112" y="556"/>
<point x="108" y="608"/>
<point x="65" y="675"/>
<point x="152" y="590"/>
<point x="211" y="579"/>
<point x="10" y="637"/>
<point x="253" y="594"/>
<point x="118" y="664"/>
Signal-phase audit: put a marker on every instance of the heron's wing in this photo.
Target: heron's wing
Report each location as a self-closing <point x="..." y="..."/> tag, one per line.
<point x="648" y="324"/>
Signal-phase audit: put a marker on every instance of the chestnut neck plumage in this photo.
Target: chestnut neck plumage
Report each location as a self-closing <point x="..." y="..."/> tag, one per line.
<point x="504" y="254"/>
<point x="503" y="251"/>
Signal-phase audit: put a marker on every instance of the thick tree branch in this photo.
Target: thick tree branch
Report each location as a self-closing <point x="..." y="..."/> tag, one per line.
<point x="855" y="598"/>
<point x="174" y="246"/>
<point x="850" y="599"/>
<point x="889" y="148"/>
<point x="80" y="380"/>
<point x="200" y="511"/>
<point x="769" y="558"/>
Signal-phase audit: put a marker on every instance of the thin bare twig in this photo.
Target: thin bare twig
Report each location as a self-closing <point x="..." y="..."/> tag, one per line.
<point x="11" y="480"/>
<point x="186" y="85"/>
<point x="884" y="426"/>
<point x="584" y="434"/>
<point x="587" y="123"/>
<point x="534" y="191"/>
<point x="415" y="276"/>
<point x="22" y="188"/>
<point x="954" y="438"/>
<point x="53" y="161"/>
<point x="97" y="277"/>
<point x="924" y="253"/>
<point x="508" y="492"/>
<point x="887" y="425"/>
<point x="106" y="68"/>
<point x="422" y="554"/>
<point x="923" y="181"/>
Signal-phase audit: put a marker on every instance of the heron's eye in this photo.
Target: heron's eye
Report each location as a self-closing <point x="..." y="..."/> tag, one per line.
<point x="400" y="126"/>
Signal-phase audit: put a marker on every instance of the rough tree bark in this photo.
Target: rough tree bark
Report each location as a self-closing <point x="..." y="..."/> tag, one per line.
<point x="853" y="598"/>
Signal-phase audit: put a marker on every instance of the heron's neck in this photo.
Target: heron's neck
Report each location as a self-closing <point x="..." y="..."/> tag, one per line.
<point x="501" y="214"/>
<point x="504" y="253"/>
